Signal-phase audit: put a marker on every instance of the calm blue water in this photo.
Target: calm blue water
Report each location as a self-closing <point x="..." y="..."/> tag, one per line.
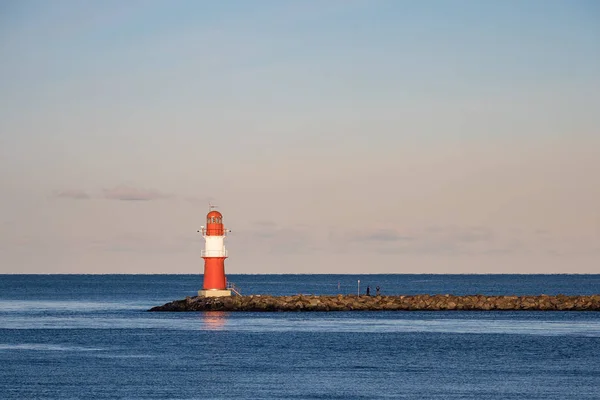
<point x="86" y="336"/>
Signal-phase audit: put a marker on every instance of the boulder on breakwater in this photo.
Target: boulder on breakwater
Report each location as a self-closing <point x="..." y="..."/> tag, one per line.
<point x="423" y="302"/>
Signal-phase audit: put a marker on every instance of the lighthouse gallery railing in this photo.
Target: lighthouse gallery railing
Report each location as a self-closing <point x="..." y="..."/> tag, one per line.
<point x="213" y="253"/>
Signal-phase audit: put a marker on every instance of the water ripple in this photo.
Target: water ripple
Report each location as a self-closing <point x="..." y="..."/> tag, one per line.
<point x="279" y="323"/>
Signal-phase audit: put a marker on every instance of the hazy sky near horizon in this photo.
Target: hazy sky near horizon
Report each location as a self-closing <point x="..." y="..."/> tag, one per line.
<point x="335" y="136"/>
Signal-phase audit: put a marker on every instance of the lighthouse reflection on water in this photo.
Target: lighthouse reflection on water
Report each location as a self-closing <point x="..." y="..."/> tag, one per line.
<point x="213" y="320"/>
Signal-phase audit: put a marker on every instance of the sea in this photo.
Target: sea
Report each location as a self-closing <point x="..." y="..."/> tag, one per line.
<point x="92" y="337"/>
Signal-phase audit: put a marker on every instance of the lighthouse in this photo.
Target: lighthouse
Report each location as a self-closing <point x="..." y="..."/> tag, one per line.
<point x="214" y="254"/>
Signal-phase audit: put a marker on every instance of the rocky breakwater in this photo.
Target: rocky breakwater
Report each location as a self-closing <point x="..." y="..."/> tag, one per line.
<point x="384" y="303"/>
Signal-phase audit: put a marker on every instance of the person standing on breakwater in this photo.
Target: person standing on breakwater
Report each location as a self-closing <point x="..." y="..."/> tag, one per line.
<point x="368" y="290"/>
<point x="377" y="291"/>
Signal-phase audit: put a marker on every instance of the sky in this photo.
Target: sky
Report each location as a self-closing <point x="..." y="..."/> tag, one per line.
<point x="334" y="136"/>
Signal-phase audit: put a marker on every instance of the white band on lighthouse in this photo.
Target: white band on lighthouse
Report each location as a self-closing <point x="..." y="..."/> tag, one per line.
<point x="214" y="247"/>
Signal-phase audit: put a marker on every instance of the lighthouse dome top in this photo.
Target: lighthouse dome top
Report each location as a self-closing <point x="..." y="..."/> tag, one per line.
<point x="214" y="214"/>
<point x="214" y="217"/>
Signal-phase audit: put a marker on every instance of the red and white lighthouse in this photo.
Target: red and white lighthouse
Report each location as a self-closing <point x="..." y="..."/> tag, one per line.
<point x="214" y="254"/>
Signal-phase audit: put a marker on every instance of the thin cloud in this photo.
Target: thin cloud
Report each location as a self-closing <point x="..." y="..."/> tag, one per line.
<point x="130" y="193"/>
<point x="433" y="240"/>
<point x="381" y="235"/>
<point x="73" y="194"/>
<point x="200" y="200"/>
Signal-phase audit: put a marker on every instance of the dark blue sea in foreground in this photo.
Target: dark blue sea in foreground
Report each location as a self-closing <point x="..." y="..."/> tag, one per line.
<point x="89" y="336"/>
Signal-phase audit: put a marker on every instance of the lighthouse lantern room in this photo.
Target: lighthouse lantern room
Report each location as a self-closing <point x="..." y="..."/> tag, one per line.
<point x="214" y="255"/>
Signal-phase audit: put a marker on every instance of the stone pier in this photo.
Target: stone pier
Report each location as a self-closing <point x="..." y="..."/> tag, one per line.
<point x="423" y="302"/>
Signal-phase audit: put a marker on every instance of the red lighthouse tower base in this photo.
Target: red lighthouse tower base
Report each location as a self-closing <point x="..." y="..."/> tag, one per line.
<point x="214" y="273"/>
<point x="214" y="255"/>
